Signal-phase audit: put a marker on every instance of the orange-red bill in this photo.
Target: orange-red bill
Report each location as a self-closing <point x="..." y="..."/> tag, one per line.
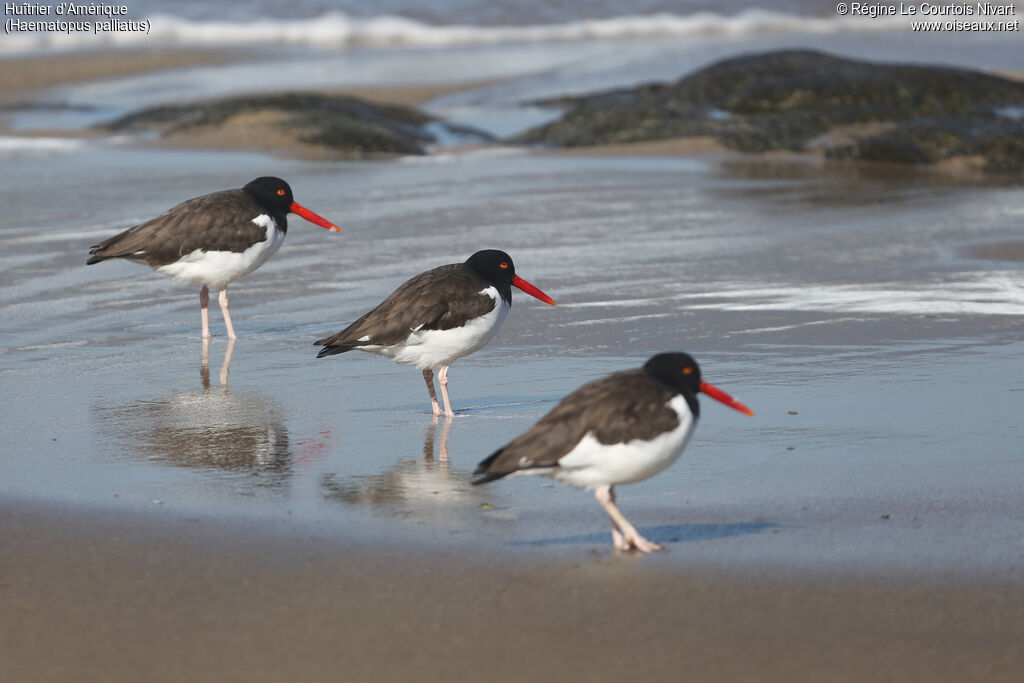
<point x="300" y="210"/>
<point x="531" y="290"/>
<point x="719" y="395"/>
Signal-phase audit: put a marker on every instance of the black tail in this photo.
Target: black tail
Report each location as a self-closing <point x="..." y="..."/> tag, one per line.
<point x="481" y="473"/>
<point x="94" y="258"/>
<point x="330" y="350"/>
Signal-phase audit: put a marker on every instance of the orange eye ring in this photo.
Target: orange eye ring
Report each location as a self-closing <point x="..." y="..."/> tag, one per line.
<point x="688" y="370"/>
<point x="281" y="192"/>
<point x="503" y="265"/>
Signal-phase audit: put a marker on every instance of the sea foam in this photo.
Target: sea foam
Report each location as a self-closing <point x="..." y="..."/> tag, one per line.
<point x="977" y="293"/>
<point x="12" y="145"/>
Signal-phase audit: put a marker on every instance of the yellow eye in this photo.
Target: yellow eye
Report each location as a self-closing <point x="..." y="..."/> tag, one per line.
<point x="281" y="192"/>
<point x="688" y="370"/>
<point x="503" y="265"/>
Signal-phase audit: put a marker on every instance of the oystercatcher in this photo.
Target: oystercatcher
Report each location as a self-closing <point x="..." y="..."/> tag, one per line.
<point x="622" y="428"/>
<point x="438" y="317"/>
<point x="213" y="240"/>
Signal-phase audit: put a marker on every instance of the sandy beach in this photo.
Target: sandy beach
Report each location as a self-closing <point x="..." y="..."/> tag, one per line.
<point x="27" y="74"/>
<point x="23" y="76"/>
<point x="163" y="519"/>
<point x="102" y="597"/>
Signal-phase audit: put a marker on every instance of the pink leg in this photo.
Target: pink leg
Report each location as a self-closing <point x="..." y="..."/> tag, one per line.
<point x="204" y="309"/>
<point x="428" y="377"/>
<point x="624" y="535"/>
<point x="227" y="314"/>
<point x="442" y="379"/>
<point x="618" y="540"/>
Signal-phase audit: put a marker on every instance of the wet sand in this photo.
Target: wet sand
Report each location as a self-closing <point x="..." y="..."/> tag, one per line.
<point x="31" y="73"/>
<point x="21" y="74"/>
<point x="99" y="596"/>
<point x="696" y="146"/>
<point x="42" y="71"/>
<point x="1002" y="251"/>
<point x="864" y="537"/>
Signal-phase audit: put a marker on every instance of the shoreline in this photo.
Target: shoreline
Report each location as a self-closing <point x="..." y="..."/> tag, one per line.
<point x="164" y="595"/>
<point x="28" y="75"/>
<point x="23" y="78"/>
<point x="24" y="75"/>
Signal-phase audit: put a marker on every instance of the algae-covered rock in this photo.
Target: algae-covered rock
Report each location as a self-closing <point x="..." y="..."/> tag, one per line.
<point x="345" y="125"/>
<point x="795" y="100"/>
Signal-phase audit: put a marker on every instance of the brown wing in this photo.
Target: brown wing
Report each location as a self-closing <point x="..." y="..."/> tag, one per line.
<point x="438" y="299"/>
<point x="623" y="406"/>
<point x="221" y="221"/>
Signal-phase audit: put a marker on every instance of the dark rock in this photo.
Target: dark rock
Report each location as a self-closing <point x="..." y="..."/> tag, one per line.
<point x="348" y="125"/>
<point x="1003" y="153"/>
<point x="794" y="100"/>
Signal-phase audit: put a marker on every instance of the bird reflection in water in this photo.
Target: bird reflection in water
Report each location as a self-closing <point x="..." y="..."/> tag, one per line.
<point x="225" y="367"/>
<point x="417" y="488"/>
<point x="208" y="428"/>
<point x="442" y="447"/>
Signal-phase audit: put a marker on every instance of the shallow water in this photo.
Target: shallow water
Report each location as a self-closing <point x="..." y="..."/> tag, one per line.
<point x="881" y="358"/>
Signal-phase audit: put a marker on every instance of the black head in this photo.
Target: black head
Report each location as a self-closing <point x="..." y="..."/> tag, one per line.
<point x="273" y="194"/>
<point x="496" y="267"/>
<point x="678" y="370"/>
<point x="275" y="197"/>
<point x="493" y="265"/>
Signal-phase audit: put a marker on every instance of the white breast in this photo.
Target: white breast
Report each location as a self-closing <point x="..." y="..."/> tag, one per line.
<point x="591" y="464"/>
<point x="220" y="268"/>
<point x="436" y="348"/>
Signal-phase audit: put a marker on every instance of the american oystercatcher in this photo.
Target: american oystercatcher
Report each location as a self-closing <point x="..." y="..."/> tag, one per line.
<point x="622" y="428"/>
<point x="213" y="240"/>
<point x="438" y="317"/>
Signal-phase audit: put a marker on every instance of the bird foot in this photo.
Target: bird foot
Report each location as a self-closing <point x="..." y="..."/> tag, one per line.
<point x="629" y="542"/>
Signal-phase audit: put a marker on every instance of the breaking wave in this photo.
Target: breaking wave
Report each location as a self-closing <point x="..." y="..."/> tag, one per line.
<point x="338" y="30"/>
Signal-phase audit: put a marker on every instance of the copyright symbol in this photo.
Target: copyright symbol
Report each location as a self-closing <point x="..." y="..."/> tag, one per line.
<point x="842" y="8"/>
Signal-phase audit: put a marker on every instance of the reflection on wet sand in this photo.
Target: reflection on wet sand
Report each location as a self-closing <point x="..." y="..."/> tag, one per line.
<point x="996" y="251"/>
<point x="225" y="367"/>
<point x="206" y="428"/>
<point x="442" y="447"/>
<point x="417" y="487"/>
<point x="664" y="534"/>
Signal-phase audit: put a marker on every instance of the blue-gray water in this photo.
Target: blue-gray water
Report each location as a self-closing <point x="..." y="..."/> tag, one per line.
<point x="848" y="300"/>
